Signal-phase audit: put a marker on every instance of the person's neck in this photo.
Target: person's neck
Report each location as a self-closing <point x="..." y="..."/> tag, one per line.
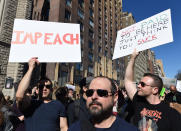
<point x="106" y="123"/>
<point x="153" y="99"/>
<point x="46" y="100"/>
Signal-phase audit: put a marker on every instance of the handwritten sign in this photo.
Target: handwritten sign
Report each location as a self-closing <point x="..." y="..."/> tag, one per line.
<point x="49" y="41"/>
<point x="151" y="32"/>
<point x="178" y="86"/>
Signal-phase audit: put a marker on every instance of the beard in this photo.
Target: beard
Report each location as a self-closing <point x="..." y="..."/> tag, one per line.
<point x="99" y="113"/>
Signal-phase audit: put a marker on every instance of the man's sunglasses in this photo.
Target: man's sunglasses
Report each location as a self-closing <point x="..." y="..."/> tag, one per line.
<point x="144" y="84"/>
<point x="47" y="86"/>
<point x="100" y="93"/>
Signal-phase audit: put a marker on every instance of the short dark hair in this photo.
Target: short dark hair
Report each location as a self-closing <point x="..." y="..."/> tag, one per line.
<point x="113" y="86"/>
<point x="156" y="79"/>
<point x="61" y="94"/>
<point x="43" y="80"/>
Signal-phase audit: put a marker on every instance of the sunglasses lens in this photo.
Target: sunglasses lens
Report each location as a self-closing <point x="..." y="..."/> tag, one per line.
<point x="142" y="84"/>
<point x="89" y="93"/>
<point x="102" y="93"/>
<point x="48" y="86"/>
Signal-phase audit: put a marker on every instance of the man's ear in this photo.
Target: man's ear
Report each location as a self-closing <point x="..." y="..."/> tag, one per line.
<point x="155" y="90"/>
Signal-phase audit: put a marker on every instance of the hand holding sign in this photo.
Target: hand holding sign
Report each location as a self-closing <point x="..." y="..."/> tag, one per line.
<point x="146" y="34"/>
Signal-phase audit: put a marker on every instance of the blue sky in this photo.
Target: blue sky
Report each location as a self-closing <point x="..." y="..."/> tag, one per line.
<point x="169" y="53"/>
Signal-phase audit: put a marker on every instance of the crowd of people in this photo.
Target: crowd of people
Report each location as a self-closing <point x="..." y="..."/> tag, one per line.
<point x="102" y="105"/>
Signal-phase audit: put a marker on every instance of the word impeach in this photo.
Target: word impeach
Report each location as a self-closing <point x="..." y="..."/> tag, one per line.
<point x="22" y="37"/>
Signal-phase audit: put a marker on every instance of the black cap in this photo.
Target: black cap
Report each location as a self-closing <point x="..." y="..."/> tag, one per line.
<point x="85" y="81"/>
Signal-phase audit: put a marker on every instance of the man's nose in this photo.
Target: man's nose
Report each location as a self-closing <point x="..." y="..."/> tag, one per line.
<point x="94" y="95"/>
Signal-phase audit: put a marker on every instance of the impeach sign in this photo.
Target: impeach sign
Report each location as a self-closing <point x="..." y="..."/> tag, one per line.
<point x="151" y="32"/>
<point x="49" y="41"/>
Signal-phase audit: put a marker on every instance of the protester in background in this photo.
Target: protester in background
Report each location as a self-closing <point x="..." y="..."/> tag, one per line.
<point x="71" y="94"/>
<point x="174" y="98"/>
<point x="174" y="95"/>
<point x="44" y="114"/>
<point x="101" y="97"/>
<point x="125" y="106"/>
<point x="150" y="112"/>
<point x="62" y="95"/>
<point x="8" y="119"/>
<point x="20" y="126"/>
<point x="77" y="110"/>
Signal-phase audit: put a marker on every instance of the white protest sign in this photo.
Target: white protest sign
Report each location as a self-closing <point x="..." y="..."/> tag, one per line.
<point x="178" y="86"/>
<point x="151" y="32"/>
<point x="49" y="41"/>
<point x="70" y="86"/>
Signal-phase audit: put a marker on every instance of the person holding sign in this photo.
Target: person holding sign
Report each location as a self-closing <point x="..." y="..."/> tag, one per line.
<point x="44" y="114"/>
<point x="150" y="112"/>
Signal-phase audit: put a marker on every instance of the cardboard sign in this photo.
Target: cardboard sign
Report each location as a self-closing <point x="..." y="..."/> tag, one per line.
<point x="49" y="41"/>
<point x="178" y="86"/>
<point x="151" y="32"/>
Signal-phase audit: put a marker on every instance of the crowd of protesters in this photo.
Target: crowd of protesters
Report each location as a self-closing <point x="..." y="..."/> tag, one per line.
<point x="101" y="106"/>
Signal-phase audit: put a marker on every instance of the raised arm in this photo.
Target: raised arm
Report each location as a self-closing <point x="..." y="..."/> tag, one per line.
<point x="130" y="86"/>
<point x="24" y="84"/>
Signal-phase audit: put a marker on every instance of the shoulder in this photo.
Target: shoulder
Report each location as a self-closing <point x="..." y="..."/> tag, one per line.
<point x="138" y="99"/>
<point x="75" y="126"/>
<point x="125" y="126"/>
<point x="57" y="104"/>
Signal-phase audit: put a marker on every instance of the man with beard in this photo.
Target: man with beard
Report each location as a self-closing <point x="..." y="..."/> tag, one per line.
<point x="44" y="114"/>
<point x="101" y="97"/>
<point x="150" y="112"/>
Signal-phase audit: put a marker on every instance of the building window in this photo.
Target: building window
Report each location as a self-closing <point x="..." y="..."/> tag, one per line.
<point x="90" y="44"/>
<point x="90" y="69"/>
<point x="92" y="3"/>
<point x="91" y="34"/>
<point x="82" y="39"/>
<point x="67" y="15"/>
<point x="79" y="67"/>
<point x="90" y="55"/>
<point x="99" y="59"/>
<point x="81" y="26"/>
<point x="105" y="53"/>
<point x="63" y="78"/>
<point x="91" y="23"/>
<point x="80" y="14"/>
<point x="81" y="3"/>
<point x="99" y="49"/>
<point x="69" y="3"/>
<point x="91" y="13"/>
<point x="45" y="11"/>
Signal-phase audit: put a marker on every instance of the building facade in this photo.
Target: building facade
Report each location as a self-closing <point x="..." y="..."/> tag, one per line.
<point x="99" y="21"/>
<point x="7" y="15"/>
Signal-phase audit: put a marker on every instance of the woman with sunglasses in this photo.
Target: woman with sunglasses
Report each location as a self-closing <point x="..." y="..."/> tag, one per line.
<point x="150" y="112"/>
<point x="43" y="114"/>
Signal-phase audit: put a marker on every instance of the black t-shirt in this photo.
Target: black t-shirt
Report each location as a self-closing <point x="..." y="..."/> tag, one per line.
<point x="158" y="117"/>
<point x="118" y="125"/>
<point x="44" y="116"/>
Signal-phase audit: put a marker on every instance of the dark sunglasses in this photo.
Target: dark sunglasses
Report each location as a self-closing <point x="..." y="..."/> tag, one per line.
<point x="47" y="86"/>
<point x="143" y="84"/>
<point x="100" y="92"/>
